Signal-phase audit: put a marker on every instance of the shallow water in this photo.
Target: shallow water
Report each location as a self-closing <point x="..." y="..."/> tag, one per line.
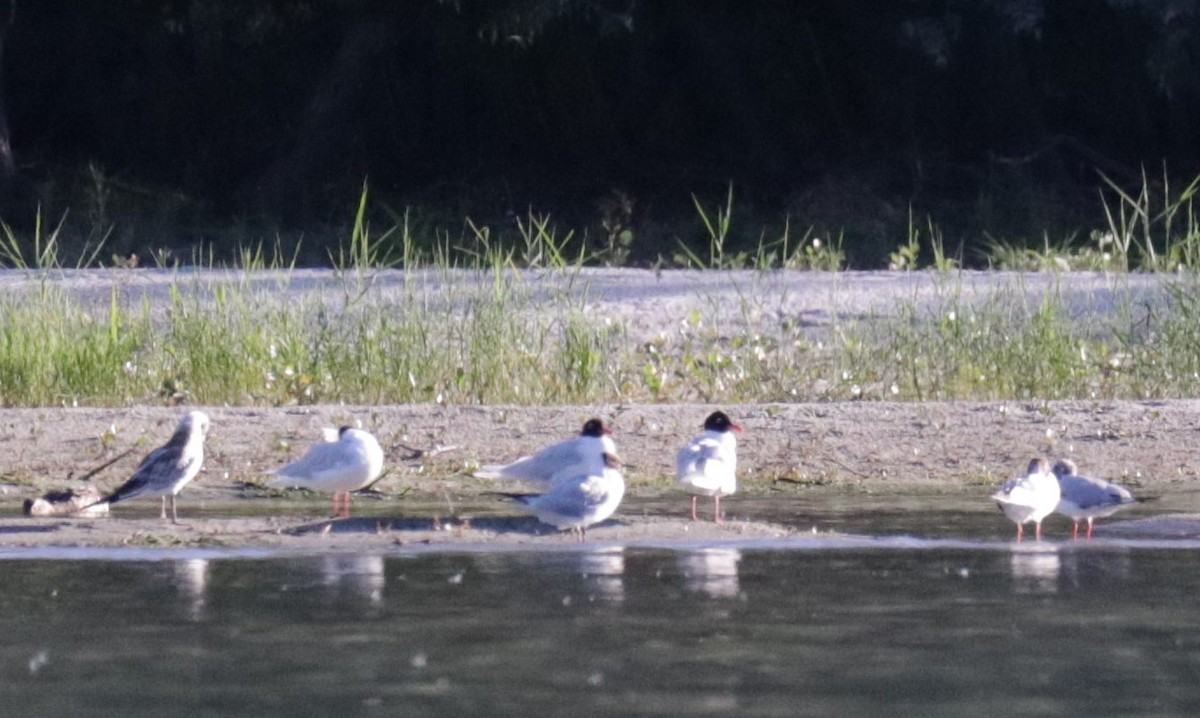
<point x="892" y="626"/>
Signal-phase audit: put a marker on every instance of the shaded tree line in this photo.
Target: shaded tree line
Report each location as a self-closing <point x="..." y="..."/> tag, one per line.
<point x="169" y="122"/>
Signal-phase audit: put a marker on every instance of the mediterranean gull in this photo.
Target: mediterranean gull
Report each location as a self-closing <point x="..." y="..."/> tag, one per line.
<point x="707" y="466"/>
<point x="345" y="461"/>
<point x="1084" y="497"/>
<point x="566" y="458"/>
<point x="1028" y="498"/>
<point x="577" y="501"/>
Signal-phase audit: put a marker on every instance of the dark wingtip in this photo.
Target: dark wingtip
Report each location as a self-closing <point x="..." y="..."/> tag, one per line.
<point x="518" y="497"/>
<point x="343" y="429"/>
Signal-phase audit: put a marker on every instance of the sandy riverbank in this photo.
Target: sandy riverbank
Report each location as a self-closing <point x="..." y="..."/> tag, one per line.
<point x="876" y="447"/>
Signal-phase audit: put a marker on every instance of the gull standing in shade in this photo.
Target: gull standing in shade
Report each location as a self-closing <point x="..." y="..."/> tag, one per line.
<point x="1028" y="498"/>
<point x="566" y="458"/>
<point x="707" y="466"/>
<point x="170" y="467"/>
<point x="347" y="460"/>
<point x="1084" y="497"/>
<point x="577" y="501"/>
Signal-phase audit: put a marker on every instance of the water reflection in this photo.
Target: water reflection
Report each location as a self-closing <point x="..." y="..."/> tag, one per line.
<point x="1035" y="569"/>
<point x="610" y="632"/>
<point x="712" y="571"/>
<point x="1091" y="569"/>
<point x="352" y="575"/>
<point x="191" y="581"/>
<point x="604" y="572"/>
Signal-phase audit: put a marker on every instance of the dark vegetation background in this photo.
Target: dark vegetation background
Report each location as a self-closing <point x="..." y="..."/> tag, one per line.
<point x="181" y="123"/>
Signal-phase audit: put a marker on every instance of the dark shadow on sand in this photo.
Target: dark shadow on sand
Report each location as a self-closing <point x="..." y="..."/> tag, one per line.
<point x="31" y="529"/>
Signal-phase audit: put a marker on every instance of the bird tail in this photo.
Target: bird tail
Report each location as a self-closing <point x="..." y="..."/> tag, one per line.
<point x="285" y="481"/>
<point x="116" y="496"/>
<point x="110" y="499"/>
<point x="489" y="471"/>
<point x="518" y="497"/>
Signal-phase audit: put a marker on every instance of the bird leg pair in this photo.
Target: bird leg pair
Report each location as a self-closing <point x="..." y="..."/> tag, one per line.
<point x="716" y="509"/>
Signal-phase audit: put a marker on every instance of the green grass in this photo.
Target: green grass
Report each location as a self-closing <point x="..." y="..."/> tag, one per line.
<point x="482" y="319"/>
<point x="500" y="336"/>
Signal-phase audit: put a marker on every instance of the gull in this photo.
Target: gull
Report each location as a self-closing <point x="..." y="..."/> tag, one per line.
<point x="707" y="466"/>
<point x="1084" y="497"/>
<point x="577" y="501"/>
<point x="170" y="467"/>
<point x="346" y="460"/>
<point x="1030" y="498"/>
<point x="566" y="458"/>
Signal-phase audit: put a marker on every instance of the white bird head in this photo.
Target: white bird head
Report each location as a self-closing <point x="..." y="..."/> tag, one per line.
<point x="194" y="423"/>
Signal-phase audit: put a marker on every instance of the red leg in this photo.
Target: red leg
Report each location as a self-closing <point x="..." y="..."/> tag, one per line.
<point x="694" y="517"/>
<point x="341" y="504"/>
<point x="1020" y="532"/>
<point x="1037" y="530"/>
<point x="1075" y="531"/>
<point x="1089" y="531"/>
<point x="717" y="509"/>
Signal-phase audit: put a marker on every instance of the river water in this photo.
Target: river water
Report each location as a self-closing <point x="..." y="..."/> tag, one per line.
<point x="892" y="625"/>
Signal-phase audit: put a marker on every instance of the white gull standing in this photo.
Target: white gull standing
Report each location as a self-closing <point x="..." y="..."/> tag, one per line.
<point x="565" y="458"/>
<point x="170" y="467"/>
<point x="577" y="501"/>
<point x="345" y="461"/>
<point x="1030" y="498"/>
<point x="1085" y="497"/>
<point x="707" y="466"/>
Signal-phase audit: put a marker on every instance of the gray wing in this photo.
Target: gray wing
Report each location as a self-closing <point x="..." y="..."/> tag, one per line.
<point x="1087" y="493"/>
<point x="540" y="467"/>
<point x="694" y="458"/>
<point x="320" y="462"/>
<point x="573" y="498"/>
<point x="157" y="472"/>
